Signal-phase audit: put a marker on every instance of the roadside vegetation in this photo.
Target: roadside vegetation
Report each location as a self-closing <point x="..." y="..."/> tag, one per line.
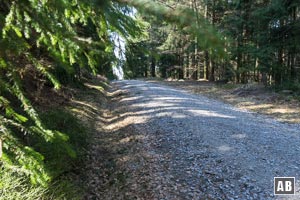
<point x="261" y="41"/>
<point x="52" y="51"/>
<point x="61" y="168"/>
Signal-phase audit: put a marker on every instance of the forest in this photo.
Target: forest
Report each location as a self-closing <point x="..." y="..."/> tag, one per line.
<point x="49" y="45"/>
<point x="260" y="44"/>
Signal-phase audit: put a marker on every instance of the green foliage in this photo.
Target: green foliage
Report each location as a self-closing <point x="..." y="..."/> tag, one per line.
<point x="265" y="33"/>
<point x="259" y="38"/>
<point x="183" y="16"/>
<point x="60" y="159"/>
<point x="44" y="161"/>
<point x="60" y="39"/>
<point x="293" y="86"/>
<point x="16" y="186"/>
<point x="136" y="59"/>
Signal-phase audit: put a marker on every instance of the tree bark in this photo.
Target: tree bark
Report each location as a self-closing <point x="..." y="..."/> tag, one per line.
<point x="206" y="65"/>
<point x="145" y="71"/>
<point x="153" y="67"/>
<point x="185" y="66"/>
<point x="212" y="70"/>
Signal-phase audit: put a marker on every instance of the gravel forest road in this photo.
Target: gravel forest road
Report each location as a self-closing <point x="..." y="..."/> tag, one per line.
<point x="206" y="149"/>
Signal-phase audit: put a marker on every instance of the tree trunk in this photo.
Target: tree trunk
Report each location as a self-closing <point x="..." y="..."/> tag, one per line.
<point x="264" y="78"/>
<point x="153" y="67"/>
<point x="206" y="65"/>
<point x="238" y="62"/>
<point x="212" y="70"/>
<point x="146" y="71"/>
<point x="277" y="71"/>
<point x="185" y="66"/>
<point x="211" y="62"/>
<point x="197" y="64"/>
<point x="190" y="68"/>
<point x="293" y="67"/>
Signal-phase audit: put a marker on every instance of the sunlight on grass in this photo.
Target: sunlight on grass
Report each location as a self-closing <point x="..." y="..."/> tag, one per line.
<point x="15" y="186"/>
<point x="81" y="112"/>
<point x="117" y="93"/>
<point x="85" y="104"/>
<point x="97" y="87"/>
<point x="248" y="103"/>
<point x="261" y="106"/>
<point x="282" y="110"/>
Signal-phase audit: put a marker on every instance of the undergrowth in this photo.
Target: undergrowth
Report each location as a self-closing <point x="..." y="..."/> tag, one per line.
<point x="15" y="186"/>
<point x="61" y="167"/>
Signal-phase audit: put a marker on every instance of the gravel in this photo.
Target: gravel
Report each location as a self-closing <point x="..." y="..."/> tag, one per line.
<point x="199" y="148"/>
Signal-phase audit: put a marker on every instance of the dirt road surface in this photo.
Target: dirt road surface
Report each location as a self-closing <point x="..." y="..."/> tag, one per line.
<point x="197" y="148"/>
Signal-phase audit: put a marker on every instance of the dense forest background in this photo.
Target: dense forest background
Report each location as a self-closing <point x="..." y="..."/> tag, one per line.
<point x="262" y="41"/>
<point x="46" y="46"/>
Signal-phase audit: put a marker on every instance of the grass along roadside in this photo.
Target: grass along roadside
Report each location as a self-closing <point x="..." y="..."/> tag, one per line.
<point x="65" y="113"/>
<point x="61" y="168"/>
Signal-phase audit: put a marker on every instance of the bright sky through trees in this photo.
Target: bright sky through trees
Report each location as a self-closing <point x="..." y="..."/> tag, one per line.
<point x="119" y="51"/>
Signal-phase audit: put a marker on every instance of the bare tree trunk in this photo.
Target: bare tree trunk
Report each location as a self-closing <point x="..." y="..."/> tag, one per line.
<point x="278" y="72"/>
<point x="146" y="71"/>
<point x="153" y="67"/>
<point x="238" y="62"/>
<point x="190" y="69"/>
<point x="206" y="65"/>
<point x="264" y="78"/>
<point x="185" y="66"/>
<point x="294" y="50"/>
<point x="212" y="70"/>
<point x="211" y="62"/>
<point x="293" y="67"/>
<point x="206" y="55"/>
<point x="196" y="42"/>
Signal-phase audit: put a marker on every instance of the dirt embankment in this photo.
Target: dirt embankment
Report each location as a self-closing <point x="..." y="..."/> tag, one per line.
<point x="284" y="105"/>
<point x="113" y="154"/>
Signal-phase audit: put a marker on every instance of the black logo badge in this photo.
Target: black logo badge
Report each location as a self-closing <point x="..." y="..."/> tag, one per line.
<point x="284" y="185"/>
